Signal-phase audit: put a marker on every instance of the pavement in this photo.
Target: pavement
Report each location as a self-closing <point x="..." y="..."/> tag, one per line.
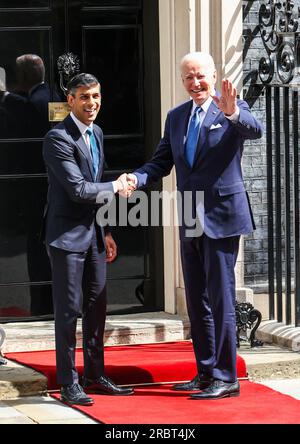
<point x="24" y="398"/>
<point x="39" y="410"/>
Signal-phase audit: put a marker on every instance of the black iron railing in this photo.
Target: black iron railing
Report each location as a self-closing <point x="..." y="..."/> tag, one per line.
<point x="279" y="72"/>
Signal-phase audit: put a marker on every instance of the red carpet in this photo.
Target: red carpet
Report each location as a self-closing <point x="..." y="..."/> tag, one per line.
<point x="169" y="362"/>
<point x="16" y="312"/>
<point x="160" y="405"/>
<point x="132" y="364"/>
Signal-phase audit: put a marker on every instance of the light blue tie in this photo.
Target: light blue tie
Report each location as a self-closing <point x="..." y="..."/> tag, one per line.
<point x="94" y="151"/>
<point x="192" y="137"/>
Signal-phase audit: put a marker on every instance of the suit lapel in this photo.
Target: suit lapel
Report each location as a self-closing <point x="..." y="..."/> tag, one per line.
<point x="212" y="114"/>
<point x="182" y="128"/>
<point x="101" y="153"/>
<point x="78" y="139"/>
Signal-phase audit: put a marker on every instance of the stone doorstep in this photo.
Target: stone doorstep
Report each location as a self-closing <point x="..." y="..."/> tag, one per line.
<point x="40" y="410"/>
<point x="278" y="333"/>
<point x="119" y="330"/>
<point x="17" y="380"/>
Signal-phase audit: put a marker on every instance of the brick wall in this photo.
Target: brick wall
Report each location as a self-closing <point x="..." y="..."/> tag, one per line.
<point x="254" y="159"/>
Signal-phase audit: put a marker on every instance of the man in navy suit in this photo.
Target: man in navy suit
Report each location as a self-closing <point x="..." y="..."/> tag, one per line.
<point x="77" y="246"/>
<point x="204" y="139"/>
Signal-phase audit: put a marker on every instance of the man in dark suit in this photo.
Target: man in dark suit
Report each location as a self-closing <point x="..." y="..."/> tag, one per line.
<point x="74" y="157"/>
<point x="27" y="105"/>
<point x="26" y="108"/>
<point x="204" y="139"/>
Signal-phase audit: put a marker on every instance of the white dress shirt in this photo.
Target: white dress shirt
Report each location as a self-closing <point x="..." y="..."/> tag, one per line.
<point x="83" y="128"/>
<point x="204" y="108"/>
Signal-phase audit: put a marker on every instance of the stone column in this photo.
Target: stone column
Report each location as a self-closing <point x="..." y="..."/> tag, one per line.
<point x="176" y="33"/>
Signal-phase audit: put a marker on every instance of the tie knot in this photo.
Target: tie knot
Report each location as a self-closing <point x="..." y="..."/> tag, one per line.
<point x="197" y="111"/>
<point x="89" y="131"/>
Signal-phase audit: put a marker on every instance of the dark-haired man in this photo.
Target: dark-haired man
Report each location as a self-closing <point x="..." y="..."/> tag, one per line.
<point x="78" y="248"/>
<point x="27" y="105"/>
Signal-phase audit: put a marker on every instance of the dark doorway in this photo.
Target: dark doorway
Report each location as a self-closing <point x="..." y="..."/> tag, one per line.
<point x="117" y="41"/>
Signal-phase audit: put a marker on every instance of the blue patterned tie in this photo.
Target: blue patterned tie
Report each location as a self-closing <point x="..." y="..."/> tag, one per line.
<point x="192" y="137"/>
<point x="94" y="151"/>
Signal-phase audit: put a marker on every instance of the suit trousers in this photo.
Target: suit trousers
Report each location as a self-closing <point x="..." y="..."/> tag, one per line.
<point x="79" y="287"/>
<point x="208" y="270"/>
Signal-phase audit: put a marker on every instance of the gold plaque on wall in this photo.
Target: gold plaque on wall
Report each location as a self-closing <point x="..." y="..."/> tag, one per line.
<point x="58" y="111"/>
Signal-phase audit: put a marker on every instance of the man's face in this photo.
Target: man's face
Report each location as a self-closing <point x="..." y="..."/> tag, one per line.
<point x="86" y="103"/>
<point x="199" y="80"/>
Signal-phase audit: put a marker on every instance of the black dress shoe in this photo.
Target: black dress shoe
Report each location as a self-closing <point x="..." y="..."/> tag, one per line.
<point x="198" y="383"/>
<point x="105" y="386"/>
<point x="219" y="389"/>
<point x="74" y="395"/>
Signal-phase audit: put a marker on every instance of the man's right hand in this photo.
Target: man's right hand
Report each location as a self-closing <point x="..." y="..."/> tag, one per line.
<point x="126" y="185"/>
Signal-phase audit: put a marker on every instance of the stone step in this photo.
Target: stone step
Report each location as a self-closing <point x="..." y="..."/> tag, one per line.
<point x="270" y="362"/>
<point x="17" y="380"/>
<point x="119" y="330"/>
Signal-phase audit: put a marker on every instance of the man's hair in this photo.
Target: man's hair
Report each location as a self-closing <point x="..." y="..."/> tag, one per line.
<point x="82" y="79"/>
<point x="30" y="70"/>
<point x="204" y="58"/>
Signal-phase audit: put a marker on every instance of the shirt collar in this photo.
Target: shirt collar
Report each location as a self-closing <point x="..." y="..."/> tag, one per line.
<point x="204" y="106"/>
<point x="81" y="126"/>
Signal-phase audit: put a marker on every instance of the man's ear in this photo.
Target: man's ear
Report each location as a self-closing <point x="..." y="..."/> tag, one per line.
<point x="70" y="99"/>
<point x="215" y="76"/>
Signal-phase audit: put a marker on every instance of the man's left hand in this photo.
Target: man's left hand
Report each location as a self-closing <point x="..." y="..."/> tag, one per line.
<point x="227" y="103"/>
<point x="111" y="248"/>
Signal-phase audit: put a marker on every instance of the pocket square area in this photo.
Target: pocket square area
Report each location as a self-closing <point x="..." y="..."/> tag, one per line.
<point x="213" y="127"/>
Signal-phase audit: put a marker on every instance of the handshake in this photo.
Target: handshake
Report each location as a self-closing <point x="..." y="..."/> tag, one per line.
<point x="126" y="184"/>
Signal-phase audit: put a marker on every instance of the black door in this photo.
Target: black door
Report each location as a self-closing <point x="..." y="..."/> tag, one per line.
<point x="118" y="42"/>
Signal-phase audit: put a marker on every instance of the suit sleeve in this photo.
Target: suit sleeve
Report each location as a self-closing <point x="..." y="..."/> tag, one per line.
<point x="247" y="126"/>
<point x="59" y="158"/>
<point x="161" y="163"/>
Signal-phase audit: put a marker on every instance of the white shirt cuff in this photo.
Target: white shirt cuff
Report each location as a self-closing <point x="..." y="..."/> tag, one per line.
<point x="115" y="186"/>
<point x="235" y="116"/>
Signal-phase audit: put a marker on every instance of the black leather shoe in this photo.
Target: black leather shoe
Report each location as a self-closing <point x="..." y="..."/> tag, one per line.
<point x="219" y="389"/>
<point x="74" y="395"/>
<point x="198" y="383"/>
<point x="105" y="386"/>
